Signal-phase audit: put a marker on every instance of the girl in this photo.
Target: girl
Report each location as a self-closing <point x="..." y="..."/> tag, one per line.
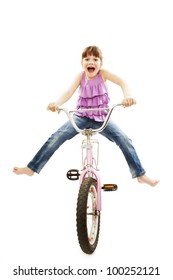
<point x="92" y="93"/>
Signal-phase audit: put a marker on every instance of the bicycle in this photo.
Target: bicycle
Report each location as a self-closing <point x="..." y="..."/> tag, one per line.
<point x="89" y="206"/>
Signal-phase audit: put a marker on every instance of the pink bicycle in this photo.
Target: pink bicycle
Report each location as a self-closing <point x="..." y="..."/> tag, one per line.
<point x="89" y="197"/>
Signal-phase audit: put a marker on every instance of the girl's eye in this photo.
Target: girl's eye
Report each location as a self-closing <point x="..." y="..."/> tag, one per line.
<point x="93" y="59"/>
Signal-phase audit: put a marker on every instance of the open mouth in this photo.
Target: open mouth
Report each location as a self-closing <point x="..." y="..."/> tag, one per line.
<point x="91" y="69"/>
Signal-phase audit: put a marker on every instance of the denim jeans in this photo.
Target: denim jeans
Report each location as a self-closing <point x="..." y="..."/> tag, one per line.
<point x="66" y="132"/>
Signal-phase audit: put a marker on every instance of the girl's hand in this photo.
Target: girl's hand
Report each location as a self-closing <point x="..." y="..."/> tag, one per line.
<point x="52" y="107"/>
<point x="128" y="101"/>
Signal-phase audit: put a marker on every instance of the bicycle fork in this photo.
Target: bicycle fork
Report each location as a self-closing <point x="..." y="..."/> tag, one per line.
<point x="90" y="166"/>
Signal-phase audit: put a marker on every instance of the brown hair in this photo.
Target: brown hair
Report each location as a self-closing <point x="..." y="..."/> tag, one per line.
<point x="92" y="50"/>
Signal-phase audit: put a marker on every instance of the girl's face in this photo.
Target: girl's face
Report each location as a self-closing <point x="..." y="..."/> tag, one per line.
<point x="91" y="65"/>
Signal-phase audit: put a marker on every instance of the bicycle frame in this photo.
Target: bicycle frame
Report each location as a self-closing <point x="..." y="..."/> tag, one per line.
<point x="89" y="161"/>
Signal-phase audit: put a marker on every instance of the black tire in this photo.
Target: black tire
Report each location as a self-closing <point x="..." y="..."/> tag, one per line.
<point x="88" y="218"/>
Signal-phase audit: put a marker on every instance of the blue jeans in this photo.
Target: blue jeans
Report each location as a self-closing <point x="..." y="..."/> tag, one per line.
<point x="66" y="132"/>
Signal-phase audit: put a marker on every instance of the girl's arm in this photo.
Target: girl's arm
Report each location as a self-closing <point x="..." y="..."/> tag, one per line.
<point x="66" y="95"/>
<point x="128" y="100"/>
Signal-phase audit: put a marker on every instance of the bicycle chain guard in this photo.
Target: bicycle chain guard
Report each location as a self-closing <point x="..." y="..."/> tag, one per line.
<point x="73" y="174"/>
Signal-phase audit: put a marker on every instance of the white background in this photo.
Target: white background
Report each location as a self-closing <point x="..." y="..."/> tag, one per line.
<point x="40" y="53"/>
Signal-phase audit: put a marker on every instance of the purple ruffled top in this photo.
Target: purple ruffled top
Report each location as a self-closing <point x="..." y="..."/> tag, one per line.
<point x="93" y="94"/>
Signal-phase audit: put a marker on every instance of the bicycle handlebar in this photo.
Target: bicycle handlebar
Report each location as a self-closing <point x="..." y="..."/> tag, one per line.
<point x="71" y="119"/>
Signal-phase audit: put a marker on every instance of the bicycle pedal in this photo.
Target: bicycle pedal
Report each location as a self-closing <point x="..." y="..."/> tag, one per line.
<point x="73" y="174"/>
<point x="109" y="187"/>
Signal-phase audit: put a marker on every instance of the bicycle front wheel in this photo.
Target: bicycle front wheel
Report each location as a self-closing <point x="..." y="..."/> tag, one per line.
<point x="88" y="218"/>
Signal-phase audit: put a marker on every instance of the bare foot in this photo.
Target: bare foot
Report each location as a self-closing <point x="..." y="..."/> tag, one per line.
<point x="23" y="170"/>
<point x="147" y="180"/>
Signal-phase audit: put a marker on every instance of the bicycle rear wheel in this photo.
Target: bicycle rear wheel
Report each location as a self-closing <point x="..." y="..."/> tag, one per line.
<point x="88" y="218"/>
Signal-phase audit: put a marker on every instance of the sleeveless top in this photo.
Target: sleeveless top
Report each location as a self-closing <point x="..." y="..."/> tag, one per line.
<point x="93" y="94"/>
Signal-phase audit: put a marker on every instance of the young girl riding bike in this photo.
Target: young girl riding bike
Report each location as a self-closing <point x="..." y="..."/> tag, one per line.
<point x="93" y="93"/>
